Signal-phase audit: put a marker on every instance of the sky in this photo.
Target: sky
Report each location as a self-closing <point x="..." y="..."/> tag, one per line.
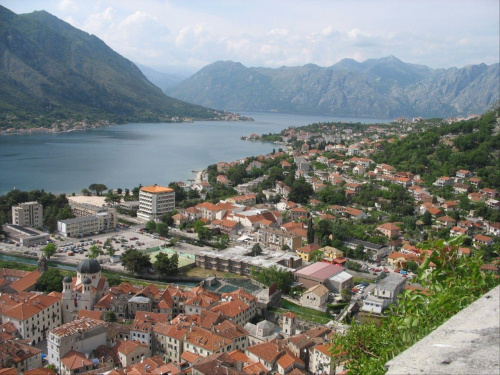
<point x="183" y="36"/>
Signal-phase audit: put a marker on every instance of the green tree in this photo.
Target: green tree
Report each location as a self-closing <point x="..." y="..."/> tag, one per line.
<point x="301" y="191"/>
<point x="110" y="251"/>
<point x="162" y="229"/>
<point x="271" y="275"/>
<point x="162" y="264"/>
<point x="452" y="284"/>
<point x="86" y="192"/>
<point x="174" y="264"/>
<point x="113" y="198"/>
<point x="97" y="188"/>
<point x="427" y="218"/>
<point x="355" y="266"/>
<point x="317" y="256"/>
<point x="52" y="367"/>
<point x="114" y="280"/>
<point x="411" y="266"/>
<point x="151" y="226"/>
<point x="49" y="250"/>
<point x="135" y="261"/>
<point x="346" y="295"/>
<point x="94" y="252"/>
<point x="50" y="281"/>
<point x="110" y="316"/>
<point x="310" y="232"/>
<point x="256" y="250"/>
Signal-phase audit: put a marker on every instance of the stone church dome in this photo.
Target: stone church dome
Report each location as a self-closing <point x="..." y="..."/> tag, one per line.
<point x="89" y="266"/>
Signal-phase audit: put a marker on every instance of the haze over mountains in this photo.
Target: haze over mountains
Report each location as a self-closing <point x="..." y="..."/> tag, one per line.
<point x="51" y="70"/>
<point x="386" y="87"/>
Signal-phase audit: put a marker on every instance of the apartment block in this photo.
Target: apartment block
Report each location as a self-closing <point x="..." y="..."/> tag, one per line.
<point x="154" y="201"/>
<point x="28" y="214"/>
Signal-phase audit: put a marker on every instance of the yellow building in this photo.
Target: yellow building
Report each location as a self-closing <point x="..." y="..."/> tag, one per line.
<point x="332" y="253"/>
<point x="305" y="251"/>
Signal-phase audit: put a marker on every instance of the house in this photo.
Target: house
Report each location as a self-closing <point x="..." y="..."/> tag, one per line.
<point x="34" y="317"/>
<point x="385" y="293"/>
<point x="82" y="335"/>
<point x="389" y="230"/>
<point x="74" y="362"/>
<point x="443" y="181"/>
<point x="266" y="353"/>
<point x="459" y="188"/>
<point x="130" y="352"/>
<point x="491" y="193"/>
<point x="263" y="331"/>
<point x="476" y="181"/>
<point x="482" y="240"/>
<point x="493" y="204"/>
<point x="277" y="239"/>
<point x="446" y="221"/>
<point x="315" y="297"/>
<point x="287" y="362"/>
<point x="19" y="355"/>
<point x="323" y="273"/>
<point x="493" y="229"/>
<point x="462" y="174"/>
<point x="297" y="213"/>
<point x="450" y="205"/>
<point x="305" y="251"/>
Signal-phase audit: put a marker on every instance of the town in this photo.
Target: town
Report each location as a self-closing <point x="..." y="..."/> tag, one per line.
<point x="291" y="247"/>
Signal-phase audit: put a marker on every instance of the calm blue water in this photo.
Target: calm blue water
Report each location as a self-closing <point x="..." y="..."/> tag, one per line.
<point x="125" y="156"/>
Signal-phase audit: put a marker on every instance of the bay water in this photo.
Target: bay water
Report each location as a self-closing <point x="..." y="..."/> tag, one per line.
<point x="124" y="156"/>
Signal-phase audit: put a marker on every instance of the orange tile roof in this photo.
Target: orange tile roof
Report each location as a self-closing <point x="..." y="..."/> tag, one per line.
<point x="155" y="189"/>
<point x="268" y="351"/>
<point x="287" y="360"/>
<point x="239" y="356"/>
<point x="127" y="347"/>
<point x="206" y="339"/>
<point x="189" y="357"/>
<point x="255" y="368"/>
<point x="73" y="360"/>
<point x="32" y="306"/>
<point x="90" y="314"/>
<point x="26" y="281"/>
<point x="231" y="309"/>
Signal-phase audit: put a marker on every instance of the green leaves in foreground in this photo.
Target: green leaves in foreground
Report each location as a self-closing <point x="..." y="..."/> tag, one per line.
<point x="450" y="284"/>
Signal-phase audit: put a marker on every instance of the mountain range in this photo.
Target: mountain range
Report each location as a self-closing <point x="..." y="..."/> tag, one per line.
<point x="50" y="70"/>
<point x="386" y="87"/>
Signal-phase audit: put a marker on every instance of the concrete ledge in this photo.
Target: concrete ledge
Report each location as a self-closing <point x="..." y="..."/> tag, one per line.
<point x="468" y="343"/>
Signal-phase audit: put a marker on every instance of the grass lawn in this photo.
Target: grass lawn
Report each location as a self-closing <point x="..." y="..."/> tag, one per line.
<point x="202" y="272"/>
<point x="305" y="313"/>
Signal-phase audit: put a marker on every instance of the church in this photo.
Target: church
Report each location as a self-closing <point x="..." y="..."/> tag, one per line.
<point x="84" y="290"/>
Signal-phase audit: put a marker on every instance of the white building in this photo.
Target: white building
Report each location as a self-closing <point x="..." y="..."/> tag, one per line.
<point x="82" y="335"/>
<point x="83" y="291"/>
<point x="34" y="317"/>
<point x="86" y="225"/>
<point x="154" y="201"/>
<point x="28" y="214"/>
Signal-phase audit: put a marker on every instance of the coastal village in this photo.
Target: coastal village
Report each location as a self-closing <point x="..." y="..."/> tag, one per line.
<point x="294" y="244"/>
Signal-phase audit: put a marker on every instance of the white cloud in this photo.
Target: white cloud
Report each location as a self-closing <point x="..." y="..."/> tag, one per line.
<point x="291" y="32"/>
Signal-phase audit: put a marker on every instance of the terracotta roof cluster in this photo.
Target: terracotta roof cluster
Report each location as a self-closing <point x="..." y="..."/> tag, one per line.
<point x="26" y="282"/>
<point x="30" y="307"/>
<point x="77" y="326"/>
<point x="217" y="364"/>
<point x="128" y="346"/>
<point x="17" y="351"/>
<point x="231" y="308"/>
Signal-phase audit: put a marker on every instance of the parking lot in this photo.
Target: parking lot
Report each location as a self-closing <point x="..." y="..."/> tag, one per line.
<point x="121" y="239"/>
